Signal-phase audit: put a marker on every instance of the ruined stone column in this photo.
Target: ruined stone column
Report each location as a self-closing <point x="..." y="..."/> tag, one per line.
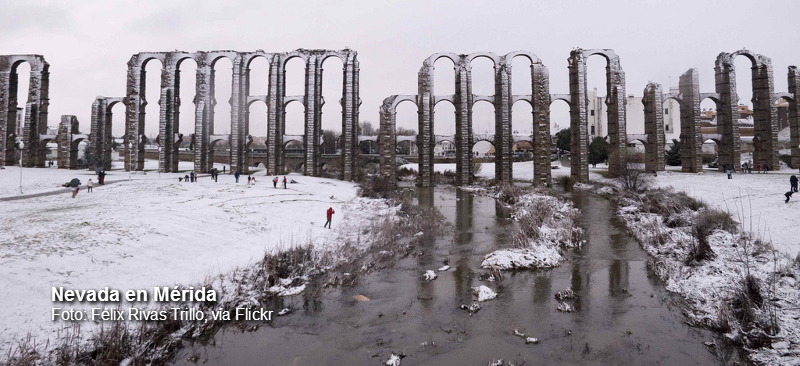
<point x="541" y="125"/>
<point x="134" y="115"/>
<point x="275" y="116"/>
<point x="579" y="125"/>
<point x="765" y="116"/>
<point x="238" y="100"/>
<point x="311" y="103"/>
<point x="691" y="136"/>
<point x="100" y="137"/>
<point x="425" y="140"/>
<point x="67" y="148"/>
<point x="33" y="126"/>
<point x="350" y="103"/>
<point x="727" y="114"/>
<point x="98" y="124"/>
<point x="463" y="105"/>
<point x="204" y="80"/>
<point x="617" y="127"/>
<point x="794" y="116"/>
<point x="387" y="140"/>
<point x="504" y="141"/>
<point x="654" y="128"/>
<point x="106" y="139"/>
<point x="166" y="118"/>
<point x="8" y="111"/>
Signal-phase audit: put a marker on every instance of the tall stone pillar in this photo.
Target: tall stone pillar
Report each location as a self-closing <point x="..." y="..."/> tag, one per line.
<point x="503" y="139"/>
<point x="617" y="128"/>
<point x="67" y="149"/>
<point x="167" y="124"/>
<point x="765" y="116"/>
<point x="8" y="111"/>
<point x="794" y="116"/>
<point x="134" y="115"/>
<point x="100" y="139"/>
<point x="350" y="105"/>
<point x="691" y="136"/>
<point x="541" y="125"/>
<point x="311" y="139"/>
<point x="463" y="105"/>
<point x="204" y="79"/>
<point x="387" y="140"/>
<point x="654" y="128"/>
<point x="579" y="154"/>
<point x="276" y="114"/>
<point x="238" y="105"/>
<point x="426" y="140"/>
<point x="33" y="125"/>
<point x="730" y="149"/>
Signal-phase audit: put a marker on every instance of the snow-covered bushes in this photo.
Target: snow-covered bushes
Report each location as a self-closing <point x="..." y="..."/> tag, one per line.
<point x="544" y="225"/>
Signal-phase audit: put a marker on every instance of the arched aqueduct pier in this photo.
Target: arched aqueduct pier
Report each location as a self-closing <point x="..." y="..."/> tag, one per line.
<point x="689" y="98"/>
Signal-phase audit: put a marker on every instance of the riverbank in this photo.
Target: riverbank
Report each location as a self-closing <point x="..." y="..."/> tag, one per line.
<point x="145" y="234"/>
<point x="733" y="279"/>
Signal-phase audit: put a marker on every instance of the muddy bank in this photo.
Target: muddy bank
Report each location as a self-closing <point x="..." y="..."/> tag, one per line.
<point x="621" y="313"/>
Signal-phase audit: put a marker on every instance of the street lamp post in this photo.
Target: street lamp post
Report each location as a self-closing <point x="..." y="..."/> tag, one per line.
<point x="159" y="167"/>
<point x="20" y="170"/>
<point x="130" y="165"/>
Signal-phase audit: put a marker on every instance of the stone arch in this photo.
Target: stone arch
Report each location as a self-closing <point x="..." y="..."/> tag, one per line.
<point x="407" y="147"/>
<point x="368" y="147"/>
<point x="34" y="121"/>
<point x="480" y="76"/>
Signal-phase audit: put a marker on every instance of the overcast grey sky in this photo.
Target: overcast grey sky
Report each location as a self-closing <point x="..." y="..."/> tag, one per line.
<point x="88" y="43"/>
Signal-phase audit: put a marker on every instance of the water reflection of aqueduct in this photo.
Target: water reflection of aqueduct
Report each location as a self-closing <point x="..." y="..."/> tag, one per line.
<point x="34" y="137"/>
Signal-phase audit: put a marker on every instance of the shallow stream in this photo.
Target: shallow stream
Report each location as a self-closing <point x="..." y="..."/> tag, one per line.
<point x="623" y="315"/>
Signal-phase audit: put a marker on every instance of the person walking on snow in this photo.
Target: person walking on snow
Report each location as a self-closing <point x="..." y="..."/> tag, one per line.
<point x="275" y="182"/>
<point x="248" y="180"/>
<point x="236" y="175"/>
<point x="191" y="176"/>
<point x="788" y="196"/>
<point x="730" y="171"/>
<point x="89" y="186"/>
<point x="75" y="185"/>
<point x="330" y="216"/>
<point x="792" y="183"/>
<point x="758" y="168"/>
<point x="284" y="182"/>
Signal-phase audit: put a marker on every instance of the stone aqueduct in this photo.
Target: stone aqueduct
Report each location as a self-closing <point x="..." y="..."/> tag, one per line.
<point x="34" y="137"/>
<point x="765" y="141"/>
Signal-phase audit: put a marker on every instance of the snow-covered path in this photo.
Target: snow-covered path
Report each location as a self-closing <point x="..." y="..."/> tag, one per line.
<point x="147" y="233"/>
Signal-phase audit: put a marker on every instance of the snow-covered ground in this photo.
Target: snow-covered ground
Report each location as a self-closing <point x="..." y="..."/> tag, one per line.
<point x="773" y="218"/>
<point x="153" y="232"/>
<point x="38" y="180"/>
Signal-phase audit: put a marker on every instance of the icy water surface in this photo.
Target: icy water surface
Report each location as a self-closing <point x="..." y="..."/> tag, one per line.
<point x="623" y="316"/>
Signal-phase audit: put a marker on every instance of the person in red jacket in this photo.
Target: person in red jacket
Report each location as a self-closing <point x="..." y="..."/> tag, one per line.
<point x="330" y="215"/>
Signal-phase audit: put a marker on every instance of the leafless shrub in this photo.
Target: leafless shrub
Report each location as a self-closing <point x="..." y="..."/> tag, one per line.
<point x="448" y="177"/>
<point x="509" y="193"/>
<point x="406" y="173"/>
<point x="630" y="174"/>
<point x="376" y="186"/>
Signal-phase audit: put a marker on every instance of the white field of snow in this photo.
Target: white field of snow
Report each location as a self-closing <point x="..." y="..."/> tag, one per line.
<point x="38" y="180"/>
<point x="757" y="196"/>
<point x="155" y="232"/>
